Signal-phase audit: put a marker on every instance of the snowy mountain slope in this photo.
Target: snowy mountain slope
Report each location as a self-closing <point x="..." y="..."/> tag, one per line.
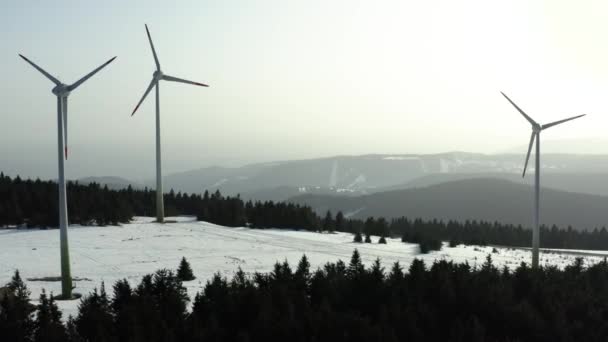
<point x="130" y="251"/>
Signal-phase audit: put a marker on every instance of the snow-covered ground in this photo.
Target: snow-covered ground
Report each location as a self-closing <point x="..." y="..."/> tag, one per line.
<point x="141" y="247"/>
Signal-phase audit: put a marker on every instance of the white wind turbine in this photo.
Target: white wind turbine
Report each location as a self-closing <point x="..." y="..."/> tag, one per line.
<point x="157" y="76"/>
<point x="536" y="129"/>
<point x="62" y="91"/>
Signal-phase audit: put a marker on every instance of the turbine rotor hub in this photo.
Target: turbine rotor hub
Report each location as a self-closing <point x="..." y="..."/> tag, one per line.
<point x="536" y="128"/>
<point x="158" y="75"/>
<point x="61" y="90"/>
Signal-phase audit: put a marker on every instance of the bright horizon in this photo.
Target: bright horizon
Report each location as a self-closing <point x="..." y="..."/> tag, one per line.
<point x="297" y="80"/>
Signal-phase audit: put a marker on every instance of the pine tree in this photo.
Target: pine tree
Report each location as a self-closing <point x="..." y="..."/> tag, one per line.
<point x="48" y="326"/>
<point x="396" y="274"/>
<point x="369" y="226"/>
<point x="381" y="227"/>
<point x="122" y="308"/>
<point x="168" y="296"/>
<point x="122" y="296"/>
<point x="377" y="271"/>
<point x="94" y="321"/>
<point x="16" y="321"/>
<point x="368" y="238"/>
<point x="358" y="238"/>
<point x="339" y="221"/>
<point x="303" y="270"/>
<point x="72" y="331"/>
<point x="184" y="272"/>
<point x="328" y="222"/>
<point x="382" y="240"/>
<point x="417" y="269"/>
<point x="355" y="267"/>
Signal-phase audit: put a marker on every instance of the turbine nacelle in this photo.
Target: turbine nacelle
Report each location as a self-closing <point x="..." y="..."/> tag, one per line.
<point x="158" y="75"/>
<point x="61" y="90"/>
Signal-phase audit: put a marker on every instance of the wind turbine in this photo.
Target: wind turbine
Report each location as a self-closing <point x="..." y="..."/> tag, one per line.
<point x="536" y="129"/>
<point x="62" y="91"/>
<point x="157" y="76"/>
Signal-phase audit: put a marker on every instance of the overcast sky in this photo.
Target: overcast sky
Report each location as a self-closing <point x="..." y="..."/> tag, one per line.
<point x="296" y="79"/>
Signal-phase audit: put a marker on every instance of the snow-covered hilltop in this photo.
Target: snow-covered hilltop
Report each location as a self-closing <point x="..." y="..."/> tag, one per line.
<point x="141" y="247"/>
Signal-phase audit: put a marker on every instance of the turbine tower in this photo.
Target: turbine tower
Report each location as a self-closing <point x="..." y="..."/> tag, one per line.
<point x="62" y="91"/>
<point x="536" y="129"/>
<point x="157" y="76"/>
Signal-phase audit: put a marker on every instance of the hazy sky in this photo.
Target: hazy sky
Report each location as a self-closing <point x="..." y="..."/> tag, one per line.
<point x="296" y="79"/>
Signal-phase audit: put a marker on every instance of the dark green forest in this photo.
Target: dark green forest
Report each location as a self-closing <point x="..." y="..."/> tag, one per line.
<point x="340" y="301"/>
<point x="33" y="203"/>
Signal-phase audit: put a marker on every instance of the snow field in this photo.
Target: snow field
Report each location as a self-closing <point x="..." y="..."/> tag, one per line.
<point x="130" y="251"/>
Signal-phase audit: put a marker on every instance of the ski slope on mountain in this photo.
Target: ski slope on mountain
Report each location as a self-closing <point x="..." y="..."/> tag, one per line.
<point x="141" y="247"/>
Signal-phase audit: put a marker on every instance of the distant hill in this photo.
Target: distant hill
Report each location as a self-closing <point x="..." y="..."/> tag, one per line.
<point x="366" y="174"/>
<point x="481" y="199"/>
<point x="113" y="183"/>
<point x="588" y="183"/>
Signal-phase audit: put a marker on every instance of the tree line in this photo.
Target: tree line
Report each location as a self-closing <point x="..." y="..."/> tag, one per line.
<point x="340" y="301"/>
<point x="34" y="203"/>
<point x="472" y="232"/>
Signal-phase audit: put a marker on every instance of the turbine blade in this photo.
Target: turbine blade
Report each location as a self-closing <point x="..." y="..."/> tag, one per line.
<point x="152" y="83"/>
<point x="175" y="79"/>
<point x="519" y="109"/>
<point x="529" y="150"/>
<point x="561" y="121"/>
<point x="53" y="79"/>
<point x="64" y="107"/>
<point x="153" y="50"/>
<point x="86" y="77"/>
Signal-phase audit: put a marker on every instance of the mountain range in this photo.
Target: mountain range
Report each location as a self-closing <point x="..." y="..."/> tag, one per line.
<point x="360" y="175"/>
<point x="375" y="185"/>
